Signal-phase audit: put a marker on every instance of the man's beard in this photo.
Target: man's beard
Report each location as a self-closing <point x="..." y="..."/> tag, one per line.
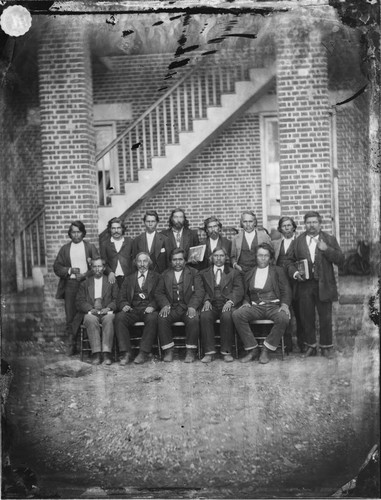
<point x="178" y="225"/>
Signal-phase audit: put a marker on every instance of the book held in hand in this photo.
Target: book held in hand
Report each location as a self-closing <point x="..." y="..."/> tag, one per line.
<point x="302" y="266"/>
<point x="196" y="253"/>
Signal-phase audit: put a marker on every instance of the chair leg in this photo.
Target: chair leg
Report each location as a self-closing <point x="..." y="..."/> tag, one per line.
<point x="81" y="341"/>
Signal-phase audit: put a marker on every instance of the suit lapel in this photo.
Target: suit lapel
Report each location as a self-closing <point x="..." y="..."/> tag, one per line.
<point x="92" y="289"/>
<point x="131" y="286"/>
<point x="149" y="281"/>
<point x="185" y="238"/>
<point x="210" y="279"/>
<point x="156" y="245"/>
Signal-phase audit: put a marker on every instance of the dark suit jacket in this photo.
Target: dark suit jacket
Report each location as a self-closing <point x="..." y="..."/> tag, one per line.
<point x="62" y="264"/>
<point x="159" y="251"/>
<point x="221" y="243"/>
<point x="111" y="256"/>
<point x="126" y="292"/>
<point x="189" y="239"/>
<point x="85" y="297"/>
<point x="279" y="281"/>
<point x="277" y="244"/>
<point x="262" y="236"/>
<point x="231" y="284"/>
<point x="323" y="262"/>
<point x="193" y="289"/>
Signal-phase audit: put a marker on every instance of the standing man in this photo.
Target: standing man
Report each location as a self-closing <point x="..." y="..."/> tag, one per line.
<point x="96" y="299"/>
<point x="213" y="228"/>
<point x="283" y="249"/>
<point x="244" y="244"/>
<point x="154" y="243"/>
<point x="321" y="250"/>
<point x="136" y="302"/>
<point x="179" y="235"/>
<point x="116" y="251"/>
<point x="223" y="293"/>
<point x="267" y="296"/>
<point x="72" y="265"/>
<point x="179" y="294"/>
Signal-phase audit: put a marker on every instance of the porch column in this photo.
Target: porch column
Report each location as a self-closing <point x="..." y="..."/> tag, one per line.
<point x="304" y="122"/>
<point x="68" y="149"/>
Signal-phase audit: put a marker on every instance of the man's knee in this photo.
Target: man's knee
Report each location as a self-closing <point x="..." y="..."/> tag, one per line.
<point x="90" y="319"/>
<point x="206" y="317"/>
<point x="108" y="319"/>
<point x="151" y="317"/>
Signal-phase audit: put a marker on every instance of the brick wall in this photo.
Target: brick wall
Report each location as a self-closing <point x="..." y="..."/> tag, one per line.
<point x="223" y="180"/>
<point x="354" y="202"/>
<point x="304" y="128"/>
<point x="68" y="149"/>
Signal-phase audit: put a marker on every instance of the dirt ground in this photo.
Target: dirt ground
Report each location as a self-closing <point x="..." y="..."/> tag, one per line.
<point x="292" y="428"/>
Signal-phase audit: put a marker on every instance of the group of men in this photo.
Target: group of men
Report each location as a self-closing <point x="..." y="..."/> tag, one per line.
<point x="154" y="279"/>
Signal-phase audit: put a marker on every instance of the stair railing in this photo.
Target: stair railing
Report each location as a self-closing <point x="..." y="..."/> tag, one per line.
<point x="30" y="248"/>
<point x="173" y="112"/>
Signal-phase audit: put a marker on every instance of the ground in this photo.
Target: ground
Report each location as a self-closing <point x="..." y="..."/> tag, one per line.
<point x="292" y="428"/>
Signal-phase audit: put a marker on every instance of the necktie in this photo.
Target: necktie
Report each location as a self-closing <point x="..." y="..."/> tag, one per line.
<point x="178" y="239"/>
<point x="142" y="280"/>
<point x="218" y="276"/>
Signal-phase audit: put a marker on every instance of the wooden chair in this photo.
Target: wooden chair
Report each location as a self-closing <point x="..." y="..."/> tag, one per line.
<point x="136" y="338"/>
<point x="263" y="323"/>
<point x="181" y="338"/>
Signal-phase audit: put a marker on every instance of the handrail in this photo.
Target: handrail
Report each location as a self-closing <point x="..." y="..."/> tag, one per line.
<point x="32" y="220"/>
<point x="148" y="111"/>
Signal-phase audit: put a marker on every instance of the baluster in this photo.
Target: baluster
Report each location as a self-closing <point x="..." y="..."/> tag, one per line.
<point x="178" y="99"/>
<point x="104" y="183"/>
<point x="165" y="123"/>
<point x="214" y="103"/>
<point x="199" y="96"/>
<point x="24" y="254"/>
<point x="206" y="76"/>
<point x="193" y="99"/>
<point x="159" y="149"/>
<point x="172" y="125"/>
<point x="144" y="146"/>
<point x="124" y="159"/>
<point x="131" y="156"/>
<point x="137" y="149"/>
<point x="44" y="236"/>
<point x="221" y="78"/>
<point x="186" y="119"/>
<point x="151" y="135"/>
<point x="38" y="242"/>
<point x="228" y="80"/>
<point x="31" y="248"/>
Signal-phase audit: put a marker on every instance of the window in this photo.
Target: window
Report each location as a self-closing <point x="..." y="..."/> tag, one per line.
<point x="108" y="172"/>
<point x="270" y="172"/>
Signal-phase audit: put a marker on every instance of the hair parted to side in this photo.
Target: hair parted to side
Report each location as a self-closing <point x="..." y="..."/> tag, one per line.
<point x="116" y="220"/>
<point x="282" y="220"/>
<point x="210" y="219"/>
<point x="268" y="247"/>
<point x="175" y="251"/>
<point x="151" y="213"/>
<point x="248" y="212"/>
<point x="79" y="225"/>
<point x="313" y="213"/>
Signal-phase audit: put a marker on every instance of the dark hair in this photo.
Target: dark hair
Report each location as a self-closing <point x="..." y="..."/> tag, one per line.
<point x="175" y="251"/>
<point x="248" y="212"/>
<point x="211" y="219"/>
<point x="143" y="253"/>
<point x="116" y="220"/>
<point x="216" y="250"/>
<point x="78" y="224"/>
<point x="98" y="258"/>
<point x="151" y="213"/>
<point x="283" y="219"/>
<point x="186" y="221"/>
<point x="268" y="247"/>
<point x="312" y="213"/>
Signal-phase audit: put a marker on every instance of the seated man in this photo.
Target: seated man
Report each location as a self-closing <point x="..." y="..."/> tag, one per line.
<point x="96" y="299"/>
<point x="267" y="296"/>
<point x="213" y="229"/>
<point x="224" y="290"/>
<point x="179" y="295"/>
<point x="136" y="302"/>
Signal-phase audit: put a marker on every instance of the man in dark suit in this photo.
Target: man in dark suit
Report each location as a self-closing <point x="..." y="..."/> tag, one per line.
<point x="213" y="228"/>
<point x="223" y="293"/>
<point x="179" y="294"/>
<point x="72" y="265"/>
<point x="136" y="302"/>
<point x="321" y="250"/>
<point x="283" y="249"/>
<point x="267" y="296"/>
<point x="116" y="251"/>
<point x="96" y="299"/>
<point x="179" y="235"/>
<point x="244" y="244"/>
<point x="154" y="243"/>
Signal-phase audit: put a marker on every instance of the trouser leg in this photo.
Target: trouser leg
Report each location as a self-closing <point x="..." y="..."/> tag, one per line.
<point x="241" y="319"/>
<point x="149" y="332"/>
<point x="107" y="332"/>
<point x="307" y="299"/>
<point x="192" y="331"/>
<point x="207" y="319"/>
<point x="281" y="321"/>
<point x="93" y="328"/>
<point x="299" y="328"/>
<point x="325" y="323"/>
<point x="123" y="323"/>
<point x="71" y="289"/>
<point x="226" y="332"/>
<point x="164" y="327"/>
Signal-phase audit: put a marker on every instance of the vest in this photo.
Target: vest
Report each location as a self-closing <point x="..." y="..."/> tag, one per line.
<point x="248" y="259"/>
<point x="262" y="294"/>
<point x="137" y="300"/>
<point x="178" y="291"/>
<point x="281" y="256"/>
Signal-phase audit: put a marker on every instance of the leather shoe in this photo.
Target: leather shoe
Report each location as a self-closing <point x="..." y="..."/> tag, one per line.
<point x="190" y="356"/>
<point x="250" y="356"/>
<point x="208" y="358"/>
<point x="168" y="356"/>
<point x="302" y="348"/>
<point x="96" y="358"/>
<point x="141" y="358"/>
<point x="107" y="358"/>
<point x="125" y="359"/>
<point x="264" y="358"/>
<point x="228" y="358"/>
<point x="71" y="350"/>
<point x="327" y="353"/>
<point x="311" y="351"/>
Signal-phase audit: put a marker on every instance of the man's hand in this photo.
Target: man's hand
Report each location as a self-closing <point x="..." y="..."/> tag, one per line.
<point x="105" y="310"/>
<point x="111" y="278"/>
<point x="285" y="309"/>
<point x="207" y="306"/>
<point x="191" y="313"/>
<point x="322" y="245"/>
<point x="149" y="310"/>
<point x="126" y="308"/>
<point x="238" y="267"/>
<point x="228" y="306"/>
<point x="80" y="277"/>
<point x="165" y="311"/>
<point x="94" y="312"/>
<point x="193" y="260"/>
<point x="245" y="304"/>
<point x="298" y="276"/>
